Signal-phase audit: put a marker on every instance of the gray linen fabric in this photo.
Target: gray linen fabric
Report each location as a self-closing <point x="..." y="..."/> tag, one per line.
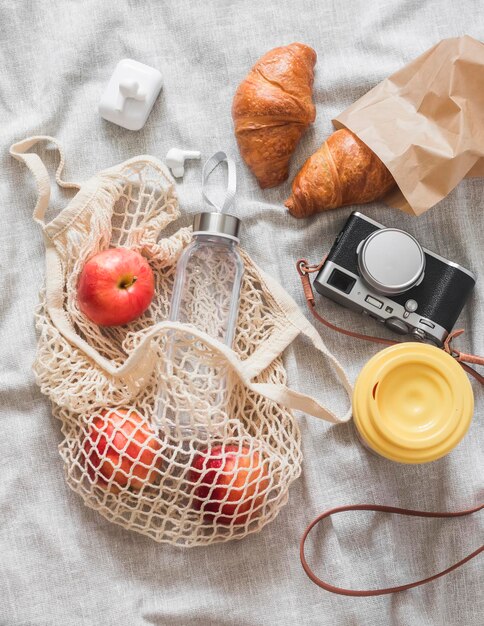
<point x="61" y="563"/>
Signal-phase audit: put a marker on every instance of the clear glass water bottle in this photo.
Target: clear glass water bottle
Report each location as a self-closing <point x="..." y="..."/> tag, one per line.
<point x="206" y="295"/>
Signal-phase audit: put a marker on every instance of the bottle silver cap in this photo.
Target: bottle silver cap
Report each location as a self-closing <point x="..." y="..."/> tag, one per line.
<point x="391" y="261"/>
<point x="215" y="223"/>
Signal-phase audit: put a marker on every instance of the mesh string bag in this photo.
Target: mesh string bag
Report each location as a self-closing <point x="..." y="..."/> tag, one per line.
<point x="118" y="392"/>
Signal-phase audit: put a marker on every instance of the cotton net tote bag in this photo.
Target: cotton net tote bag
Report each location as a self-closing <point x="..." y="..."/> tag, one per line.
<point x="118" y="393"/>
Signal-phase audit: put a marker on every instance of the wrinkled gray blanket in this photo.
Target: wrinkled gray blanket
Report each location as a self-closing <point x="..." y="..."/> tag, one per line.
<point x="61" y="563"/>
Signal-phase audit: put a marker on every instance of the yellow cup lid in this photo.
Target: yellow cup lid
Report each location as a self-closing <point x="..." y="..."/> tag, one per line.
<point x="412" y="403"/>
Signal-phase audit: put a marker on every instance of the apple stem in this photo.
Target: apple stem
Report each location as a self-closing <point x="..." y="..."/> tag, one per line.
<point x="126" y="283"/>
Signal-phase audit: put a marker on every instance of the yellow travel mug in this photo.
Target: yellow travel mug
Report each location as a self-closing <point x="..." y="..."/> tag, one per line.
<point x="412" y="403"/>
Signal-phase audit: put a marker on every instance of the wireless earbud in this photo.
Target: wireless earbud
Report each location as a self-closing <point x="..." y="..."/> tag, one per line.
<point x="175" y="160"/>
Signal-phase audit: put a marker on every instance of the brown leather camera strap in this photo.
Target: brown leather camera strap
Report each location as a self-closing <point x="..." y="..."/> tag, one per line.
<point x="383" y="509"/>
<point x="304" y="269"/>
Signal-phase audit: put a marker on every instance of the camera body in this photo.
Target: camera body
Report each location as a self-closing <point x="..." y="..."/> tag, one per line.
<point x="386" y="274"/>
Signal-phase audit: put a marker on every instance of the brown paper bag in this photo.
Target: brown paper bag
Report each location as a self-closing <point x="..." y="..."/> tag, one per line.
<point x="426" y="122"/>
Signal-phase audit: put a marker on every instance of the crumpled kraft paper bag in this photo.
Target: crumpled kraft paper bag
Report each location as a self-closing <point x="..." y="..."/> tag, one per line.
<point x="426" y="123"/>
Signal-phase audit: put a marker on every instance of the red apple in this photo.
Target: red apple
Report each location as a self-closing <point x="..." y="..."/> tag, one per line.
<point x="230" y="483"/>
<point x="120" y="443"/>
<point x="115" y="287"/>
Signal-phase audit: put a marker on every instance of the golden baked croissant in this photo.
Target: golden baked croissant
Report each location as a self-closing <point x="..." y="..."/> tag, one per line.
<point x="272" y="108"/>
<point x="343" y="171"/>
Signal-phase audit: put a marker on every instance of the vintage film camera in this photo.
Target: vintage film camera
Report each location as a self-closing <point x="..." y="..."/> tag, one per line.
<point x="386" y="274"/>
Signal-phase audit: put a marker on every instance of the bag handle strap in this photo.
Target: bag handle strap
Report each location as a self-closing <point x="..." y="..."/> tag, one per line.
<point x="304" y="269"/>
<point x="384" y="509"/>
<point x="287" y="396"/>
<point x="231" y="188"/>
<point x="35" y="164"/>
<point x="138" y="364"/>
<point x="278" y="392"/>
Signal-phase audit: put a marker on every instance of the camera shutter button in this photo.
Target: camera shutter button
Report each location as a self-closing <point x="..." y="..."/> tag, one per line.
<point x="397" y="325"/>
<point x="410" y="307"/>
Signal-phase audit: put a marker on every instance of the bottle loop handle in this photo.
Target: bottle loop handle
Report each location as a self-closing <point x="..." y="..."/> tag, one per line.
<point x="210" y="165"/>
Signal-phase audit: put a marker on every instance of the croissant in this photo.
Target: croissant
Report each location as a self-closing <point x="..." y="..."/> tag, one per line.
<point x="343" y="171"/>
<point x="272" y="108"/>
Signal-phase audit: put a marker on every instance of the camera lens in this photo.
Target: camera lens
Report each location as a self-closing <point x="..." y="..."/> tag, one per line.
<point x="391" y="261"/>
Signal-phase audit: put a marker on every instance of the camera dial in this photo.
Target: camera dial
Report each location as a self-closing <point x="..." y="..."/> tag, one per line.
<point x="419" y="334"/>
<point x="395" y="324"/>
<point x="391" y="261"/>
